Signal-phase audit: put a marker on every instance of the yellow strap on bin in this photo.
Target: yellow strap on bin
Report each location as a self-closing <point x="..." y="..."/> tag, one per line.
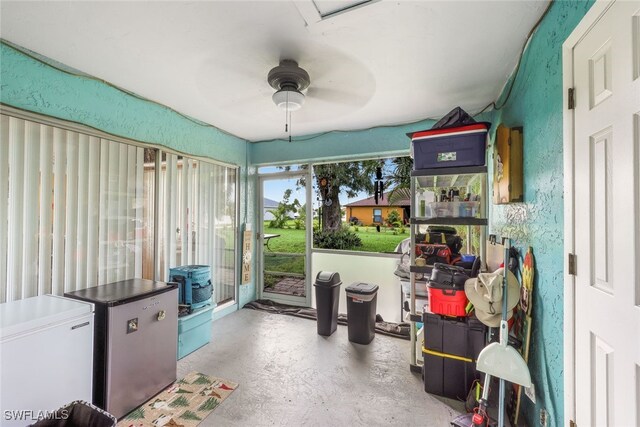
<point x="450" y="356"/>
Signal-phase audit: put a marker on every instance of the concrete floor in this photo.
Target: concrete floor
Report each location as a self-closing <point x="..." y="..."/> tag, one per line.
<point x="290" y="376"/>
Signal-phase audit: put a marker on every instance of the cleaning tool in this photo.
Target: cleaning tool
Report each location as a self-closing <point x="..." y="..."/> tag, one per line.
<point x="479" y="417"/>
<point x="500" y="360"/>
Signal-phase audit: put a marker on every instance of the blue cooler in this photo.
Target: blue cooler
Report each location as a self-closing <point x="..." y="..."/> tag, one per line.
<point x="450" y="147"/>
<point x="195" y="288"/>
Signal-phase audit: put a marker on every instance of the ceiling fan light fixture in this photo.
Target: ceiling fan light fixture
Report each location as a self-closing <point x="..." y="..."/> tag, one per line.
<point x="288" y="99"/>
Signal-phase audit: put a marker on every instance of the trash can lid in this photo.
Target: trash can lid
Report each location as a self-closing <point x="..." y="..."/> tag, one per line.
<point x="328" y="279"/>
<point x="362" y="288"/>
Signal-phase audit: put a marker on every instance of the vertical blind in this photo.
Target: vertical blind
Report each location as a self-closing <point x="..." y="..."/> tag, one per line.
<point x="197" y="225"/>
<point x="79" y="212"/>
<point x="69" y="216"/>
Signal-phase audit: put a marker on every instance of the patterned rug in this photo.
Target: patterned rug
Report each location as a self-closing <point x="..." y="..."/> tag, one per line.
<point x="184" y="403"/>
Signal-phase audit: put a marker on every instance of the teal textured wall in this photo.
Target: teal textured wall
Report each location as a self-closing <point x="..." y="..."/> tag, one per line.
<point x="32" y="85"/>
<point x="536" y="104"/>
<point x="381" y="141"/>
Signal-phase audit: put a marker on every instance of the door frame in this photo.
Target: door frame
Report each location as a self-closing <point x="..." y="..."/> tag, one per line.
<point x="593" y="15"/>
<point x="286" y="299"/>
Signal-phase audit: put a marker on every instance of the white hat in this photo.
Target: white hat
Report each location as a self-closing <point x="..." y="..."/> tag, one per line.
<point x="485" y="293"/>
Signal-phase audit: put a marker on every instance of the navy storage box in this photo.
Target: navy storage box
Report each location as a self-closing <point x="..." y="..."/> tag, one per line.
<point x="450" y="147"/>
<point x="195" y="288"/>
<point x="194" y="331"/>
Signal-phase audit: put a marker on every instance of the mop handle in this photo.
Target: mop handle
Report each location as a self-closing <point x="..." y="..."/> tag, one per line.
<point x="501" y="394"/>
<point x="483" y="403"/>
<point x="504" y="330"/>
<point x="507" y="247"/>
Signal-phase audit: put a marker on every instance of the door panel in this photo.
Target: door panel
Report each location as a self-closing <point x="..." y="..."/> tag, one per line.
<point x="607" y="319"/>
<point x="282" y="240"/>
<point x="602" y="374"/>
<point x="600" y="64"/>
<point x="601" y="208"/>
<point x="142" y="350"/>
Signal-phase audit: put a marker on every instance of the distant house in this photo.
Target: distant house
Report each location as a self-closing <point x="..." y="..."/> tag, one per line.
<point x="268" y="205"/>
<point x="368" y="213"/>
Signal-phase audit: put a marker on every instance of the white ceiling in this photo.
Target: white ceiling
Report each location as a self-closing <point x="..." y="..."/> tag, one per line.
<point x="384" y="63"/>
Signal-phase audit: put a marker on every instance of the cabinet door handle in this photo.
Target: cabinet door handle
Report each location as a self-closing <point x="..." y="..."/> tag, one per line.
<point x="161" y="315"/>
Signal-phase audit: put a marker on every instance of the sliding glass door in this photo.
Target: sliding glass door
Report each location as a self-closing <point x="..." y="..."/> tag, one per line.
<point x="197" y="220"/>
<point x="79" y="210"/>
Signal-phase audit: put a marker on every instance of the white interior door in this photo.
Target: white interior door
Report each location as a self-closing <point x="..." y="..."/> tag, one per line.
<point x="606" y="65"/>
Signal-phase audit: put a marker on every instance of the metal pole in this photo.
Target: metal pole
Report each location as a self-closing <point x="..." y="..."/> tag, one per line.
<point x="504" y="334"/>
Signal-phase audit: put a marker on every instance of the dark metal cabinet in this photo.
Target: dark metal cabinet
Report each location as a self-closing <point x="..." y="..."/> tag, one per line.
<point x="135" y="341"/>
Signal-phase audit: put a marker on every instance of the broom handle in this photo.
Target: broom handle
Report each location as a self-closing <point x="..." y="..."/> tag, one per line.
<point x="501" y="405"/>
<point x="505" y="287"/>
<point x="483" y="403"/>
<point x="504" y="334"/>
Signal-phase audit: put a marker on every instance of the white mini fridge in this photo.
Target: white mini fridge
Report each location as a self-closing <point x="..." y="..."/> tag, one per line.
<point x="46" y="356"/>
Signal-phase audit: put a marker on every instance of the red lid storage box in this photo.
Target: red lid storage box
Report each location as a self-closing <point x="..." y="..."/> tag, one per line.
<point x="450" y="147"/>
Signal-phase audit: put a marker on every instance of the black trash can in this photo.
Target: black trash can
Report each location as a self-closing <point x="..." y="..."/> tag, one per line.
<point x="362" y="299"/>
<point x="78" y="414"/>
<point x="327" y="298"/>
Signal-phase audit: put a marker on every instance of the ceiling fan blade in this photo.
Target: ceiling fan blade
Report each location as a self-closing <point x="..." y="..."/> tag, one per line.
<point x="336" y="96"/>
<point x="244" y="99"/>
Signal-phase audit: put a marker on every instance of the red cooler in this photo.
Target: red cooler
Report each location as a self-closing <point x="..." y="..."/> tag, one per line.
<point x="447" y="300"/>
<point x="446" y="290"/>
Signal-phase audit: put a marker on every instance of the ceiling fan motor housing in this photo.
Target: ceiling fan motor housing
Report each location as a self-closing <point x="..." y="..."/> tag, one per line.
<point x="288" y="75"/>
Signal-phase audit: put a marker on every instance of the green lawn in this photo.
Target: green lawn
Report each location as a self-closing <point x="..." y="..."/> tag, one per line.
<point x="290" y="240"/>
<point x="284" y="263"/>
<point x="293" y="241"/>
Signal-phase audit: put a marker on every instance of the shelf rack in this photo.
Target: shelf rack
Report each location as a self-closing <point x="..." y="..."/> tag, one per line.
<point x="433" y="179"/>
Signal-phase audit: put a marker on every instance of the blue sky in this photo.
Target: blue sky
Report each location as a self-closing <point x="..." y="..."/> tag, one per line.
<point x="274" y="189"/>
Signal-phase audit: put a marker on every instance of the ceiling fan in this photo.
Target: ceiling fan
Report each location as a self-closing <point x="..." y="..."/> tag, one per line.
<point x="333" y="84"/>
<point x="289" y="80"/>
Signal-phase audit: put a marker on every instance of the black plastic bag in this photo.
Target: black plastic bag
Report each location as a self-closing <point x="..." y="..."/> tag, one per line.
<point x="78" y="414"/>
<point x="454" y="118"/>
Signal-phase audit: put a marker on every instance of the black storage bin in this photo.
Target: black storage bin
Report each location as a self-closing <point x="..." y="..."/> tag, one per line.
<point x="449" y="276"/>
<point x="327" y="298"/>
<point x="78" y="414"/>
<point x="447" y="375"/>
<point x="464" y="337"/>
<point x="362" y="299"/>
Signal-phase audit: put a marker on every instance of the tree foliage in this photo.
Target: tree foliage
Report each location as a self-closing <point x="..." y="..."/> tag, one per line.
<point x="351" y="178"/>
<point x="281" y="213"/>
<point x="394" y="219"/>
<point x="341" y="238"/>
<point x="348" y="178"/>
<point x="399" y="179"/>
